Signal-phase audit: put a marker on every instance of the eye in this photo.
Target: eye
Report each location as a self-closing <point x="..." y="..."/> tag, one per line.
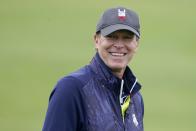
<point x="128" y="37"/>
<point x="112" y="37"/>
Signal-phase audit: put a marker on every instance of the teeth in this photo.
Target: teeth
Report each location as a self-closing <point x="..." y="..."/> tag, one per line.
<point x="117" y="54"/>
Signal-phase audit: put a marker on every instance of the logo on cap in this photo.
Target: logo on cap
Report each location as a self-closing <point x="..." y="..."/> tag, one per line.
<point x="121" y="14"/>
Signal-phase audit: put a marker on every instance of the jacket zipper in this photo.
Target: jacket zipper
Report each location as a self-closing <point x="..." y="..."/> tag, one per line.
<point x="121" y="90"/>
<point x="124" y="119"/>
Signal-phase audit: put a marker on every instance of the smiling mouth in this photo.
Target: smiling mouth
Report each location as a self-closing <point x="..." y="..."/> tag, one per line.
<point x="117" y="54"/>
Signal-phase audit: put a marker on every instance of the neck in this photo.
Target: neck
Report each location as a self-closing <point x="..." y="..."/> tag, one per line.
<point x="118" y="73"/>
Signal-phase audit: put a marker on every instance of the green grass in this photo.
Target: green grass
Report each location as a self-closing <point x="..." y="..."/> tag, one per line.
<point x="41" y="41"/>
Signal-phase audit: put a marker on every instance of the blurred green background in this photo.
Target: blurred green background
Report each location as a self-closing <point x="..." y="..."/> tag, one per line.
<point x="43" y="40"/>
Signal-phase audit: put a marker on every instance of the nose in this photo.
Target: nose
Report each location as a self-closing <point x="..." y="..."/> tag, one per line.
<point x="119" y="44"/>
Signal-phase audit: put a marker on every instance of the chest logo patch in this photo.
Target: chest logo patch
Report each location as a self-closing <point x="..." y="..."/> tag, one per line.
<point x="135" y="120"/>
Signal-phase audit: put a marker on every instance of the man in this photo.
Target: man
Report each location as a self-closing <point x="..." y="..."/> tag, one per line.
<point x="104" y="95"/>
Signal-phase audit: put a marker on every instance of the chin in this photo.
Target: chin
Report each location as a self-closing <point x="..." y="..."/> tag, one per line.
<point x="118" y="66"/>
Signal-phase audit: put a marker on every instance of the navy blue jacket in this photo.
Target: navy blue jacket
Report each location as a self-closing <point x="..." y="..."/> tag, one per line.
<point x="88" y="100"/>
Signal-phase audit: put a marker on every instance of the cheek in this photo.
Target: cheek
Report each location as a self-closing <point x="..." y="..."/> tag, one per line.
<point x="104" y="46"/>
<point x="133" y="47"/>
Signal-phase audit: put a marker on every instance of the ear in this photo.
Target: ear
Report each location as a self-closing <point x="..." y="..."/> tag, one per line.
<point x="138" y="41"/>
<point x="137" y="45"/>
<point x="96" y="40"/>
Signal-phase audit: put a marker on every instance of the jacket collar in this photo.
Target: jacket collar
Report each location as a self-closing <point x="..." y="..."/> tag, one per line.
<point x="105" y="75"/>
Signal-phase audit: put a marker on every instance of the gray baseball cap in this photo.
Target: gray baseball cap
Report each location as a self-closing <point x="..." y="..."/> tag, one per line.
<point x="119" y="18"/>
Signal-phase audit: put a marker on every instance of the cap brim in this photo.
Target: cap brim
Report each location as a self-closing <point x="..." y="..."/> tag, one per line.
<point x="108" y="30"/>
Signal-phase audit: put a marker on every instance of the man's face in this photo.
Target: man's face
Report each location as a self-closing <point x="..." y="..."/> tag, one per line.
<point x="116" y="49"/>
